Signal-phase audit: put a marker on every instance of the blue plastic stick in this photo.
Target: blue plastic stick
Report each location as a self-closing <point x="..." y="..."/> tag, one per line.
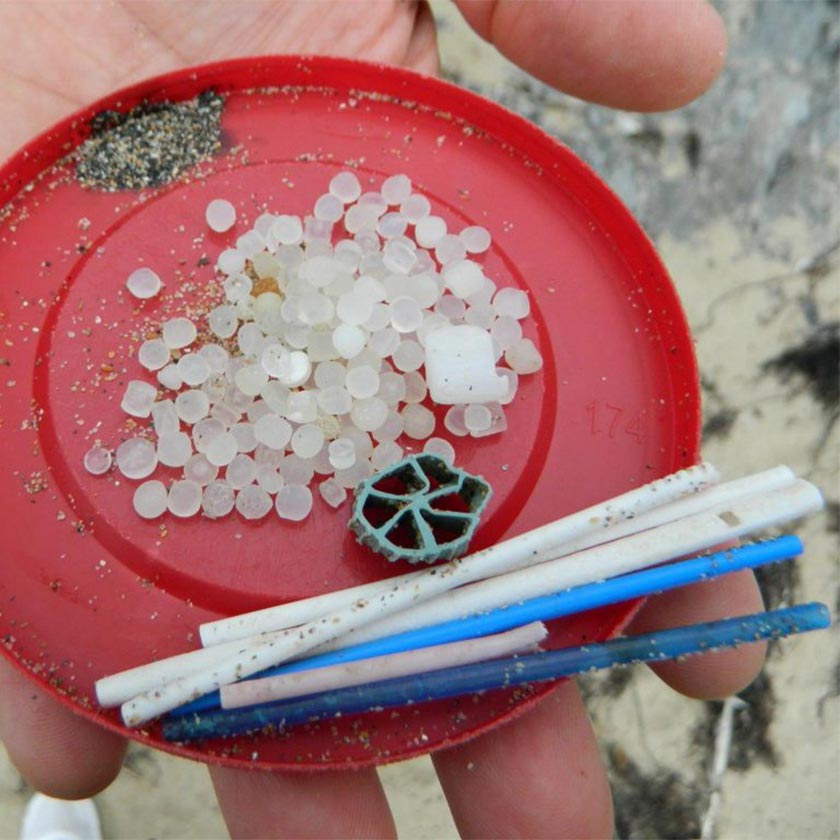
<point x="502" y="673"/>
<point x="569" y="601"/>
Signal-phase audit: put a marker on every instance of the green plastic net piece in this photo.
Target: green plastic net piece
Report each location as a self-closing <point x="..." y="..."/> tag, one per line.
<point x="421" y="510"/>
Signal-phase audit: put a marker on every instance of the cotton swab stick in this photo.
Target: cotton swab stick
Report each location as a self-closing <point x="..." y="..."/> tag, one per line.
<point x="712" y="497"/>
<point x="537" y="545"/>
<point x="505" y="673"/>
<point x="557" y="605"/>
<point x="361" y="671"/>
<point x="685" y="536"/>
<point x="117" y="688"/>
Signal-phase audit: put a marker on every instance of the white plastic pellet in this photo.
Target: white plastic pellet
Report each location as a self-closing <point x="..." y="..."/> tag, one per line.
<point x="251" y="379"/>
<point x="136" y="458"/>
<point x="481" y="315"/>
<point x="246" y="438"/>
<point x="335" y="399"/>
<point x="153" y="354"/>
<point x="169" y="377"/>
<point x="346" y="187"/>
<point x="307" y="441"/>
<point x="179" y="332"/>
<point x="200" y="470"/>
<point x="406" y="314"/>
<point x="268" y="478"/>
<point x="391" y="225"/>
<point x="415" y="208"/>
<point x="391" y="429"/>
<point x="253" y="502"/>
<point x="293" y="502"/>
<point x="419" y="421"/>
<point x="192" y="406"/>
<point x="332" y="492"/>
<point x="216" y="356"/>
<point x="451" y="307"/>
<point x="415" y="387"/>
<point x="287" y="230"/>
<point x="350" y="477"/>
<point x="506" y="330"/>
<point x="477" y="418"/>
<point x="454" y="421"/>
<point x="512" y="302"/>
<point x="143" y="283"/>
<point x="476" y="239"/>
<point x="193" y="369"/>
<point x="386" y="454"/>
<point x="221" y="449"/>
<point x="362" y="382"/>
<point x="399" y="257"/>
<point x="250" y="243"/>
<point x="329" y="208"/>
<point x="296" y="470"/>
<point x="238" y="289"/>
<point x="463" y="277"/>
<point x="139" y="398"/>
<point x="220" y="215"/>
<point x="174" y="449"/>
<point x="498" y="421"/>
<point x="98" y="460"/>
<point x="241" y="471"/>
<point x="442" y="448"/>
<point x="218" y="499"/>
<point x="329" y="374"/>
<point x="231" y="261"/>
<point x="396" y="189"/>
<point x="409" y="356"/>
<point x="303" y="407"/>
<point x="449" y="248"/>
<point x="512" y="379"/>
<point x="523" y="357"/>
<point x="150" y="499"/>
<point x="349" y="340"/>
<point x="223" y="321"/>
<point x="297" y="370"/>
<point x="383" y="342"/>
<point x="342" y="453"/>
<point x="205" y="429"/>
<point x="353" y="308"/>
<point x="273" y="431"/>
<point x="392" y="388"/>
<point x="369" y="414"/>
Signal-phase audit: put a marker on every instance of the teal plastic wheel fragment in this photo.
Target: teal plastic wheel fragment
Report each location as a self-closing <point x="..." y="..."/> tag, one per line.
<point x="420" y="510"/>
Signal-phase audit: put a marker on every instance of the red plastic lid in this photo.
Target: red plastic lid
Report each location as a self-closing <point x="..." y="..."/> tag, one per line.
<point x="87" y="588"/>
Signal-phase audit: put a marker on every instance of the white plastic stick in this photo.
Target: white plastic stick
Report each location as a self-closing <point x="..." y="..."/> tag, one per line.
<point x="117" y="688"/>
<point x="299" y="683"/>
<point x="682" y="537"/>
<point x="539" y="544"/>
<point x="686" y="536"/>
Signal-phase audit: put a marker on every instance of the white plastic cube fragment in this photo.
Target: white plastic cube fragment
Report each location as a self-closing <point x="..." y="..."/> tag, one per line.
<point x="461" y="366"/>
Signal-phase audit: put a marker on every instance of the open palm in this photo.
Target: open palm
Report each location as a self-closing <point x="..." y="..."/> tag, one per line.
<point x="540" y="775"/>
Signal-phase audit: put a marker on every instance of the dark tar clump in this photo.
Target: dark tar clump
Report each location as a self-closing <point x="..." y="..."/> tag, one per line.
<point x="151" y="145"/>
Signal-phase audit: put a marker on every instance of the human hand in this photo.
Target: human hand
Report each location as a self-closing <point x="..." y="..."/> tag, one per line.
<point x="540" y="774"/>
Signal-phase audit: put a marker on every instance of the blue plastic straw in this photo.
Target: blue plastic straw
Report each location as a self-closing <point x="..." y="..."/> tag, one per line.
<point x="502" y="673"/>
<point x="546" y="608"/>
